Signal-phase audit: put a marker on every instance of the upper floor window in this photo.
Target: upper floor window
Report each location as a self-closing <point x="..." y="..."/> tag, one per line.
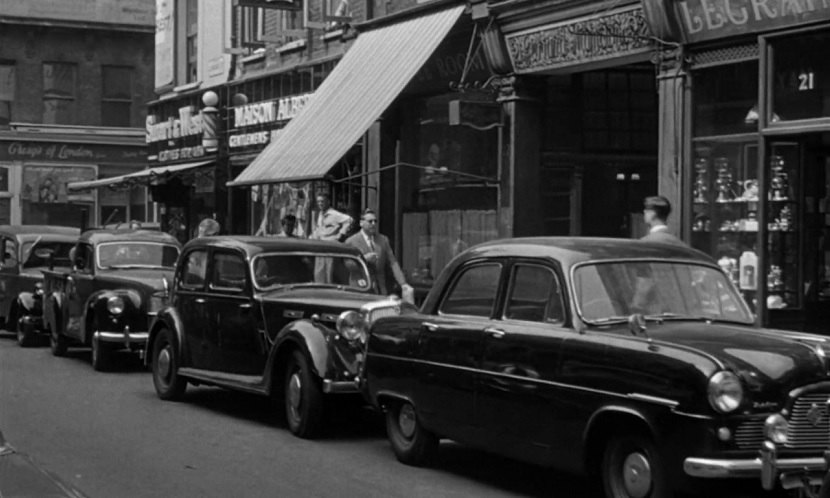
<point x="253" y="27"/>
<point x="192" y="41"/>
<point x="59" y="93"/>
<point x="7" y="87"/>
<point x="116" y="95"/>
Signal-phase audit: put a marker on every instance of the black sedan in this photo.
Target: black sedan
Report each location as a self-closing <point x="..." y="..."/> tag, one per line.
<point x="635" y="361"/>
<point x="278" y="317"/>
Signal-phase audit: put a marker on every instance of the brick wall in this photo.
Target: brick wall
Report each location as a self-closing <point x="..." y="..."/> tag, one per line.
<point x="30" y="46"/>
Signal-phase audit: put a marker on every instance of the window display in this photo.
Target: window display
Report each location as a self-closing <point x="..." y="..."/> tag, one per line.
<point x="783" y="282"/>
<point x="800" y="77"/>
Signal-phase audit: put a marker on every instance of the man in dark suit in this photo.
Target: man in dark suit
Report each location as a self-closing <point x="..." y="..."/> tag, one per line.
<point x="378" y="253"/>
<point x="656" y="212"/>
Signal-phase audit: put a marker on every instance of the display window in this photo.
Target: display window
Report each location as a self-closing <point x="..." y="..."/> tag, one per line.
<point x="45" y="199"/>
<point x="725" y="99"/>
<point x="799" y="77"/>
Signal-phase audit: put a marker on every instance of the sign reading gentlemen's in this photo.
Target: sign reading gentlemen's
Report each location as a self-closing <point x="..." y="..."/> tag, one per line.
<point x="702" y="20"/>
<point x="589" y="40"/>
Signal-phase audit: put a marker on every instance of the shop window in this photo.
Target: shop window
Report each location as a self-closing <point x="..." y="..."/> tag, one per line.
<point x="7" y="89"/>
<point x="138" y="204"/>
<point x="59" y="93"/>
<point x="800" y="77"/>
<point x="45" y="199"/>
<point x="116" y="98"/>
<point x="725" y="99"/>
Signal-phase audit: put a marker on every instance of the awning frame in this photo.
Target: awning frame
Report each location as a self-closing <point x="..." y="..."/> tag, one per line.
<point x="146" y="177"/>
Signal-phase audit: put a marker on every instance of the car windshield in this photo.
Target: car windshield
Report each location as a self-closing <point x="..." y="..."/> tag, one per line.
<point x="341" y="270"/>
<point x="612" y="291"/>
<point x="127" y="254"/>
<point x="59" y="250"/>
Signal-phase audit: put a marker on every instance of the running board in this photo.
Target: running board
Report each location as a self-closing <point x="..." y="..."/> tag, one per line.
<point x="249" y="383"/>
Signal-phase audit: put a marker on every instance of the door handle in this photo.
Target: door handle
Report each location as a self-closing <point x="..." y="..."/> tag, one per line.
<point x="494" y="332"/>
<point x="245" y="306"/>
<point x="431" y="326"/>
<point x="199" y="300"/>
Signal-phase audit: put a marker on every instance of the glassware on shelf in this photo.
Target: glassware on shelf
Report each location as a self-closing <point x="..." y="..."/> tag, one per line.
<point x="750" y="190"/>
<point x="730" y="267"/>
<point x="723" y="182"/>
<point x="775" y="278"/>
<point x="779" y="179"/>
<point x="701" y="190"/>
<point x="749" y="270"/>
<point x="776" y="302"/>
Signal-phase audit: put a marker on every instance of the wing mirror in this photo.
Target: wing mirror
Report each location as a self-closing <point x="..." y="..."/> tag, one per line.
<point x="637" y="325"/>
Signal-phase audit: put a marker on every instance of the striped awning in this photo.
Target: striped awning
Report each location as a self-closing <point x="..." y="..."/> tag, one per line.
<point x="145" y="177"/>
<point x="364" y="83"/>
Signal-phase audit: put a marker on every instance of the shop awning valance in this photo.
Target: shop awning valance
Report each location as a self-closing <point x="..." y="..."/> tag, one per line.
<point x="364" y="83"/>
<point x="143" y="177"/>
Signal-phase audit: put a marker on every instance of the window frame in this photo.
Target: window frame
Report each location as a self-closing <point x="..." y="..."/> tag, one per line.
<point x="557" y="281"/>
<point x="459" y="273"/>
<point x="117" y="100"/>
<point x="180" y="283"/>
<point x="218" y="289"/>
<point x="13" y="92"/>
<point x="73" y="98"/>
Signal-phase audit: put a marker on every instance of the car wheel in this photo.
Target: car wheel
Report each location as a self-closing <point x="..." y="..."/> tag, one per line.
<point x="632" y="469"/>
<point x="303" y="398"/>
<point x="169" y="385"/>
<point x="57" y="342"/>
<point x="101" y="355"/>
<point x="411" y="442"/>
<point x="25" y="337"/>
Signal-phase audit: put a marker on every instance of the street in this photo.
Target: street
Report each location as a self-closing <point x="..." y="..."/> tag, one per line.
<point x="108" y="435"/>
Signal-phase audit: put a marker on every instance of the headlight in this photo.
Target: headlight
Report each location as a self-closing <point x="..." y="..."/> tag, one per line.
<point x="352" y="325"/>
<point x="115" y="305"/>
<point x="775" y="428"/>
<point x="725" y="392"/>
<point x="39" y="289"/>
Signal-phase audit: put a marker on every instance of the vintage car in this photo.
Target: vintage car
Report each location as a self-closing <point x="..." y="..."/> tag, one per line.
<point x="21" y="277"/>
<point x="119" y="280"/>
<point x="279" y="317"/>
<point x="637" y="362"/>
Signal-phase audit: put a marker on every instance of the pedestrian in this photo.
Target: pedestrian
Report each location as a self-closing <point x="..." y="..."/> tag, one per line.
<point x="208" y="227"/>
<point x="378" y="254"/>
<point x="289" y="223"/>
<point x="656" y="210"/>
<point x="330" y="224"/>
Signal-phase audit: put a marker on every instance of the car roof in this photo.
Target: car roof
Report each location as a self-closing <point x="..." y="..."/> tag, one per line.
<point x="253" y="245"/>
<point x="47" y="232"/>
<point x="98" y="236"/>
<point x="572" y="250"/>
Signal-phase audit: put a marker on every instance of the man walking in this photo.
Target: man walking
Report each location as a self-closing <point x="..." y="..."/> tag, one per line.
<point x="378" y="253"/>
<point x="330" y="223"/>
<point x="656" y="210"/>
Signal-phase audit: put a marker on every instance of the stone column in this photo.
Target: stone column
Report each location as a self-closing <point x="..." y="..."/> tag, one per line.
<point x="672" y="155"/>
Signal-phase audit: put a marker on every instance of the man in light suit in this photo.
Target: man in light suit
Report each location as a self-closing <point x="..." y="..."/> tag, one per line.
<point x="378" y="253"/>
<point x="656" y="212"/>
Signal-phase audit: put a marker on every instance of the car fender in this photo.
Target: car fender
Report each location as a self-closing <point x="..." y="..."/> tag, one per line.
<point x="311" y="338"/>
<point x="169" y="318"/>
<point x="53" y="311"/>
<point x="605" y="413"/>
<point x="97" y="304"/>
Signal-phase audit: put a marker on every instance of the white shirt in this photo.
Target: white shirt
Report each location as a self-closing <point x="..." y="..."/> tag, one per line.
<point x="370" y="241"/>
<point x="658" y="228"/>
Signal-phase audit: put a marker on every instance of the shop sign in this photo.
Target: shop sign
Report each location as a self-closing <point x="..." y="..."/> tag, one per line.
<point x="618" y="33"/>
<point x="187" y="123"/>
<point x="701" y="20"/>
<point x="270" y="115"/>
<point x="71" y="153"/>
<point x="168" y="155"/>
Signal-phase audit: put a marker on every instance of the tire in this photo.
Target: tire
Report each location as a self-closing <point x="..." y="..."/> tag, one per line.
<point x="411" y="442"/>
<point x="101" y="355"/>
<point x="25" y="337"/>
<point x="169" y="385"/>
<point x="631" y="468"/>
<point x="303" y="398"/>
<point x="57" y="342"/>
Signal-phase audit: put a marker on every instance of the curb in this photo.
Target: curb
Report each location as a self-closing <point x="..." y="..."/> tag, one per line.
<point x="21" y="477"/>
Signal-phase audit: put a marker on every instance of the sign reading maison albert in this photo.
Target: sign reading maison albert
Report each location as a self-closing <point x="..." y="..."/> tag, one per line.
<point x="618" y="33"/>
<point x="701" y="20"/>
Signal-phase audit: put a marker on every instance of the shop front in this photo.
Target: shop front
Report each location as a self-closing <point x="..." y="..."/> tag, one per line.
<point x="37" y="163"/>
<point x="757" y="162"/>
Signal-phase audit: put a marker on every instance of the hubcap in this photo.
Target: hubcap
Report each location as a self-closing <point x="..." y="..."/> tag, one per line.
<point x="406" y="420"/>
<point x="163" y="363"/>
<point x="637" y="475"/>
<point x="295" y="395"/>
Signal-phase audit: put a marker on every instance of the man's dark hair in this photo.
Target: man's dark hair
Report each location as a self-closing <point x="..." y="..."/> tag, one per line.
<point x="324" y="195"/>
<point x="368" y="211"/>
<point x="660" y="205"/>
<point x="289" y="217"/>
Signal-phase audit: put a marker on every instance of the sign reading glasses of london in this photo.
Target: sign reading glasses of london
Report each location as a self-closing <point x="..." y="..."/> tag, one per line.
<point x="619" y="33"/>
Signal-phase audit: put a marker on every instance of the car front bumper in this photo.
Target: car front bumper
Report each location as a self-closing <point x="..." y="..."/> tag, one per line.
<point x="127" y="337"/>
<point x="767" y="466"/>
<point x="32" y="323"/>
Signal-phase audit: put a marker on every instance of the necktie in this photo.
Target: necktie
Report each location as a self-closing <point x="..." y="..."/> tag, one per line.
<point x="372" y="244"/>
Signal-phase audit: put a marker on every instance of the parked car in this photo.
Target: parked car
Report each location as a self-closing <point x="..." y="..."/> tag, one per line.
<point x="635" y="361"/>
<point x="278" y="317"/>
<point x="20" y="274"/>
<point x="119" y="280"/>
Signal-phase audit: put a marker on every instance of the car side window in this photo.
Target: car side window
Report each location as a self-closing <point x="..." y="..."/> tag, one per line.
<point x="229" y="272"/>
<point x="535" y="295"/>
<point x="194" y="270"/>
<point x="81" y="256"/>
<point x="474" y="291"/>
<point x="9" y="253"/>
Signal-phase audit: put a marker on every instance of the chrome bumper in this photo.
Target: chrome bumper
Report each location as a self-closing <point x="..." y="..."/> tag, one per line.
<point x="126" y="337"/>
<point x="767" y="466"/>
<point x="340" y="387"/>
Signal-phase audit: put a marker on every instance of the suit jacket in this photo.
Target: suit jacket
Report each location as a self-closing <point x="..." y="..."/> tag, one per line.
<point x="664" y="237"/>
<point x="385" y="263"/>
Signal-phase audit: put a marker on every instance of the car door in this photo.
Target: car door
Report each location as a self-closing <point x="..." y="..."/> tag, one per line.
<point x="80" y="284"/>
<point x="9" y="276"/>
<point x="450" y="349"/>
<point x="518" y="399"/>
<point x="240" y="347"/>
<point x="190" y="301"/>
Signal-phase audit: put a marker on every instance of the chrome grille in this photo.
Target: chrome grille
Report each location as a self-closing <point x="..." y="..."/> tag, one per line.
<point x="809" y="427"/>
<point x="750" y="434"/>
<point x="380" y="312"/>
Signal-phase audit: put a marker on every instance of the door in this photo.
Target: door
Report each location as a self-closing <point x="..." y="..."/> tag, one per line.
<point x="518" y="402"/>
<point x="191" y="302"/>
<point x="9" y="276"/>
<point x="450" y="347"/>
<point x="79" y="286"/>
<point x="240" y="347"/>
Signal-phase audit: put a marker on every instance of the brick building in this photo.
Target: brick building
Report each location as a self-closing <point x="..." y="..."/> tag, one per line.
<point x="74" y="77"/>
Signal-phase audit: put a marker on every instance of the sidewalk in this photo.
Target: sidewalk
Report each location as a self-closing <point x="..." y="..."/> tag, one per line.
<point x="21" y="477"/>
